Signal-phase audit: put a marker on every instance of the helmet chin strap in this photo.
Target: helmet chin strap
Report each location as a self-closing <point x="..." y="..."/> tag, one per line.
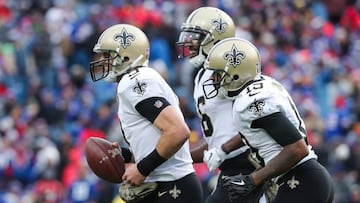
<point x="222" y="92"/>
<point x="197" y="61"/>
<point x="111" y="77"/>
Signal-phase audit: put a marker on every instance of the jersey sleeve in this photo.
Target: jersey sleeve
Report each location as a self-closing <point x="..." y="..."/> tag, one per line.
<point x="261" y="99"/>
<point x="266" y="106"/>
<point x="257" y="106"/>
<point x="279" y="127"/>
<point x="146" y="93"/>
<point x="141" y="89"/>
<point x="151" y="107"/>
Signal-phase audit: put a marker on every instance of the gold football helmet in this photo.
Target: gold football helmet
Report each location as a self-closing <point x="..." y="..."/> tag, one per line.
<point x="235" y="62"/>
<point x="203" y="28"/>
<point x="122" y="47"/>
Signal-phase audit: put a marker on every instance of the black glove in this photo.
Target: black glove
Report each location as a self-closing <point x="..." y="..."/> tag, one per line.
<point x="239" y="186"/>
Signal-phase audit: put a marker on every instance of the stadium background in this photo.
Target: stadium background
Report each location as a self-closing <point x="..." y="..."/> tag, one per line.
<point x="49" y="106"/>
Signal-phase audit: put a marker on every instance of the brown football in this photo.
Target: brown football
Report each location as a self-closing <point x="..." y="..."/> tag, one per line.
<point x="104" y="160"/>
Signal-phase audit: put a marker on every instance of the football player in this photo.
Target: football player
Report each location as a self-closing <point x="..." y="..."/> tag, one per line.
<point x="203" y="28"/>
<point x="151" y="120"/>
<point x="269" y="122"/>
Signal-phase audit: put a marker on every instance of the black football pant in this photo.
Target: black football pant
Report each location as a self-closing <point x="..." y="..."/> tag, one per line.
<point x="184" y="190"/>
<point x="309" y="182"/>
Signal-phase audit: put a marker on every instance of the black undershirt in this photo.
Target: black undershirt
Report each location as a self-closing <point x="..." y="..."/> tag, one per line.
<point x="279" y="127"/>
<point x="151" y="107"/>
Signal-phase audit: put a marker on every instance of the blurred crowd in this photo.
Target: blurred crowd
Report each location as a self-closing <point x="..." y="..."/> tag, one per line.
<point x="49" y="106"/>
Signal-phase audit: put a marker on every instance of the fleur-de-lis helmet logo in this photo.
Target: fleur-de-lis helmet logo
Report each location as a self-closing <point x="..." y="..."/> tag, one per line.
<point x="124" y="38"/>
<point x="220" y="25"/>
<point x="234" y="56"/>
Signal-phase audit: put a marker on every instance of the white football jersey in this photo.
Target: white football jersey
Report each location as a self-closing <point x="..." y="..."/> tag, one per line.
<point x="261" y="98"/>
<point x="215" y="114"/>
<point x="141" y="134"/>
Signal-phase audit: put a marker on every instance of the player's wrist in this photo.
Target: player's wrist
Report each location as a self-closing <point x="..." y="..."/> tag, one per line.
<point x="254" y="179"/>
<point x="224" y="150"/>
<point x="127" y="154"/>
<point x="150" y="162"/>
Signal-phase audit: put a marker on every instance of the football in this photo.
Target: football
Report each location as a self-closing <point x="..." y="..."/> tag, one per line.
<point x="104" y="160"/>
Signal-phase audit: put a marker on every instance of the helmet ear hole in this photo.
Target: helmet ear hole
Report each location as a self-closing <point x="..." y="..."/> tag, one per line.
<point x="236" y="77"/>
<point x="126" y="59"/>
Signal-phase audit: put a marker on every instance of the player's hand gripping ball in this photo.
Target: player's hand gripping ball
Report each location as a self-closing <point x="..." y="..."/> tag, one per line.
<point x="105" y="160"/>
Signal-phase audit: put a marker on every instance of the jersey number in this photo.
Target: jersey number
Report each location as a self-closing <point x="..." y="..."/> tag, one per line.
<point x="254" y="89"/>
<point x="205" y="119"/>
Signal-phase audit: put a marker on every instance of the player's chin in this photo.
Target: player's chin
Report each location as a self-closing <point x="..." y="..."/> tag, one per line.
<point x="192" y="55"/>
